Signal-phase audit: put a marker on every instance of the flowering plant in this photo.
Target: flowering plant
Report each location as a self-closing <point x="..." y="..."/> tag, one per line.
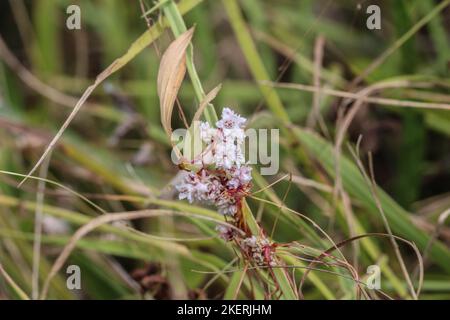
<point x="221" y="178"/>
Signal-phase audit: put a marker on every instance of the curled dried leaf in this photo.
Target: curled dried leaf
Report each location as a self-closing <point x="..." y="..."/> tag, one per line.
<point x="208" y="98"/>
<point x="171" y="72"/>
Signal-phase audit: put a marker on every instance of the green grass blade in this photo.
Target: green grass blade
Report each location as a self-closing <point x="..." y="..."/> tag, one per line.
<point x="354" y="183"/>
<point x="253" y="58"/>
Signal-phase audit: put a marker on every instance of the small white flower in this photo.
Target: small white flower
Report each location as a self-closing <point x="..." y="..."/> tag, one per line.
<point x="227" y="209"/>
<point x="226" y="233"/>
<point x="201" y="187"/>
<point x="207" y="133"/>
<point x="228" y="148"/>
<point x="186" y="191"/>
<point x="260" y="249"/>
<point x="239" y="177"/>
<point x="250" y="242"/>
<point x="230" y="120"/>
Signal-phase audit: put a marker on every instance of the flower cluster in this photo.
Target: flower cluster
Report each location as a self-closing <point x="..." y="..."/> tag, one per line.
<point x="260" y="249"/>
<point x="223" y="179"/>
<point x="224" y="143"/>
<point x="219" y="176"/>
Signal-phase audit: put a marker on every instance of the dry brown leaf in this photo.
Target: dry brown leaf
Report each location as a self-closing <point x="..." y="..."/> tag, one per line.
<point x="170" y="75"/>
<point x="208" y="98"/>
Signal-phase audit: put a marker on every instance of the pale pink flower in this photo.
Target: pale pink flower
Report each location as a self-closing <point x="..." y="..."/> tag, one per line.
<point x="260" y="249"/>
<point x="226" y="233"/>
<point x="230" y="120"/>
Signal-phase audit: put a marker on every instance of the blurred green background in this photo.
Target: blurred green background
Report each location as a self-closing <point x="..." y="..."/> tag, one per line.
<point x="116" y="154"/>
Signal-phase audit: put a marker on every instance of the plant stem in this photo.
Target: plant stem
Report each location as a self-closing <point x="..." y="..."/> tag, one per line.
<point x="253" y="59"/>
<point x="178" y="26"/>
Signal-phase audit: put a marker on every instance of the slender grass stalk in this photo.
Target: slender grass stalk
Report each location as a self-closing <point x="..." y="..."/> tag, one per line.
<point x="353" y="182"/>
<point x="13" y="285"/>
<point x="260" y="74"/>
<point x="253" y="59"/>
<point x="38" y="220"/>
<point x="178" y="26"/>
